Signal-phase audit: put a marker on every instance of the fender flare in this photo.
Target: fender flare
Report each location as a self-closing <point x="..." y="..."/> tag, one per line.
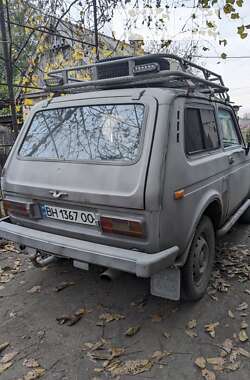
<point x="208" y="198"/>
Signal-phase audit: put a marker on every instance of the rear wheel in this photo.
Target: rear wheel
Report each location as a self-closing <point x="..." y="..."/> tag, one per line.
<point x="197" y="270"/>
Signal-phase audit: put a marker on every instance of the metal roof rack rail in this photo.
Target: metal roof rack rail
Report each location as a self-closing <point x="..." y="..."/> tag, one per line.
<point x="147" y="70"/>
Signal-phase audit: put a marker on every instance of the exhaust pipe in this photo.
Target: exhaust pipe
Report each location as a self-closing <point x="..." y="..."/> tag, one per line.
<point x="40" y="259"/>
<point x="110" y="274"/>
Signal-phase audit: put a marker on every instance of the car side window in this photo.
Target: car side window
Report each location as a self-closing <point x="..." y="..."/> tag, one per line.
<point x="201" y="133"/>
<point x="228" y="128"/>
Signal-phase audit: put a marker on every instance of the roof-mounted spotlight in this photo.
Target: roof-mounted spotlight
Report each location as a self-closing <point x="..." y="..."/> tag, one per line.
<point x="153" y="67"/>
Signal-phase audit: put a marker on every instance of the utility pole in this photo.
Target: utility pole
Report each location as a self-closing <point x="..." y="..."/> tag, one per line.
<point x="8" y="67"/>
<point x="95" y="31"/>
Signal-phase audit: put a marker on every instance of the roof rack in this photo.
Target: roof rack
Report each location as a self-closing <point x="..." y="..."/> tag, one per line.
<point x="147" y="70"/>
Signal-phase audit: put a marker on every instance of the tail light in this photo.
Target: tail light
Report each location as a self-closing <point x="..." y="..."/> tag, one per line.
<point x="19" y="208"/>
<point x="132" y="228"/>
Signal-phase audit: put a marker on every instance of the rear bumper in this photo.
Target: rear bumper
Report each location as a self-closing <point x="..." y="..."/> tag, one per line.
<point x="140" y="263"/>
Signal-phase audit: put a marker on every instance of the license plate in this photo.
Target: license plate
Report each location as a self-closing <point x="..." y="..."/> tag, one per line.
<point x="69" y="215"/>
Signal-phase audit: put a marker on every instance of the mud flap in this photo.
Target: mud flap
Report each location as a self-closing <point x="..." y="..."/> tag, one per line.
<point x="166" y="284"/>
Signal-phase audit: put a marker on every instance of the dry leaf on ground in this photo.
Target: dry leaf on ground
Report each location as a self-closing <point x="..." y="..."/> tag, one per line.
<point x="242" y="306"/>
<point x="210" y="328"/>
<point x="63" y="285"/>
<point x="158" y="355"/>
<point x="200" y="362"/>
<point x="192" y="324"/>
<point x="5" y="366"/>
<point x="230" y="314"/>
<point x="217" y="363"/>
<point x="244" y="325"/>
<point x="227" y="347"/>
<point x="157" y="317"/>
<point x="130" y="367"/>
<point x="131" y="331"/>
<point x="109" y="317"/>
<point x="191" y="333"/>
<point x="247" y="291"/>
<point x="34" y="289"/>
<point x="166" y="334"/>
<point x="8" y="357"/>
<point x="72" y="319"/>
<point x="3" y="346"/>
<point x="34" y="374"/>
<point x="208" y="375"/>
<point x="232" y="366"/>
<point x="243" y="337"/>
<point x="243" y="352"/>
<point x="31" y="363"/>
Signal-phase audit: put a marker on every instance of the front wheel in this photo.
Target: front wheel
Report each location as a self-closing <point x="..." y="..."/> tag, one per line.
<point x="197" y="270"/>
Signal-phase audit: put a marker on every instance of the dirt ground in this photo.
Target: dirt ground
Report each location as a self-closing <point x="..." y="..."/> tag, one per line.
<point x="63" y="323"/>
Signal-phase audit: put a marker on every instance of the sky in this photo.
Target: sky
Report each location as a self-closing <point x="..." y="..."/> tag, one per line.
<point x="235" y="71"/>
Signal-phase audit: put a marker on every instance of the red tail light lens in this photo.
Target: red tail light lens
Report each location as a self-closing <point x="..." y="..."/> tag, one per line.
<point x="18" y="208"/>
<point x="122" y="226"/>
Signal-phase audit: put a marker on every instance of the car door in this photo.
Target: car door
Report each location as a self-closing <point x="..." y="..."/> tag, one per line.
<point x="238" y="160"/>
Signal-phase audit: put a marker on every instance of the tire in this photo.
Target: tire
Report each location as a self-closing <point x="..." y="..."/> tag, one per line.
<point x="197" y="270"/>
<point x="245" y="217"/>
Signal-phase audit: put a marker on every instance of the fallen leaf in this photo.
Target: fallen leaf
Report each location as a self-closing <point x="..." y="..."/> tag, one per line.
<point x="72" y="319"/>
<point x="216" y="362"/>
<point x="34" y="289"/>
<point x="242" y="306"/>
<point x="3" y="346"/>
<point x="244" y="325"/>
<point x="5" y="366"/>
<point x="8" y="357"/>
<point x="232" y="366"/>
<point x="191" y="333"/>
<point x="227" y="347"/>
<point x="109" y="317"/>
<point x="208" y="375"/>
<point x="231" y="314"/>
<point x="34" y="374"/>
<point x="200" y="362"/>
<point x="30" y="363"/>
<point x="117" y="352"/>
<point x="247" y="291"/>
<point x="210" y="328"/>
<point x="192" y="324"/>
<point x="243" y="352"/>
<point x="166" y="334"/>
<point x="94" y="346"/>
<point x="130" y="367"/>
<point x="156" y="317"/>
<point x="233" y="356"/>
<point x="131" y="331"/>
<point x="243" y="337"/>
<point x="63" y="285"/>
<point x="158" y="355"/>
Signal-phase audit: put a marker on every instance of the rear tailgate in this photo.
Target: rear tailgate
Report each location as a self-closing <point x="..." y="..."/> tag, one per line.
<point x="85" y="182"/>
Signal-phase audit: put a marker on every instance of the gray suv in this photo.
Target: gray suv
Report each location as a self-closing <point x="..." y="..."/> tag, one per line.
<point x="137" y="170"/>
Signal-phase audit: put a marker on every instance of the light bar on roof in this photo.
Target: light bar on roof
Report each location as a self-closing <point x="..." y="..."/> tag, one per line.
<point x="153" y="67"/>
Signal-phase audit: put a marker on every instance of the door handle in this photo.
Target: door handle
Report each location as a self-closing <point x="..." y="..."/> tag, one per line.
<point x="231" y="160"/>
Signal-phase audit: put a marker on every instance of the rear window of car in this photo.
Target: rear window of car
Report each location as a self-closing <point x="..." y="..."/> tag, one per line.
<point x="96" y="132"/>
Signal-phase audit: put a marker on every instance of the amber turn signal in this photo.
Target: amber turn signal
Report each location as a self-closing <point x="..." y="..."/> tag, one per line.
<point x="179" y="194"/>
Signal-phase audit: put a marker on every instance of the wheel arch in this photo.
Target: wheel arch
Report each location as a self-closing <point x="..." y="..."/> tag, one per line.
<point x="210" y="205"/>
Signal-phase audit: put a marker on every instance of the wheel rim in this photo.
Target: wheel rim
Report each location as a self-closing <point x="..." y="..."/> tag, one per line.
<point x="201" y="259"/>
